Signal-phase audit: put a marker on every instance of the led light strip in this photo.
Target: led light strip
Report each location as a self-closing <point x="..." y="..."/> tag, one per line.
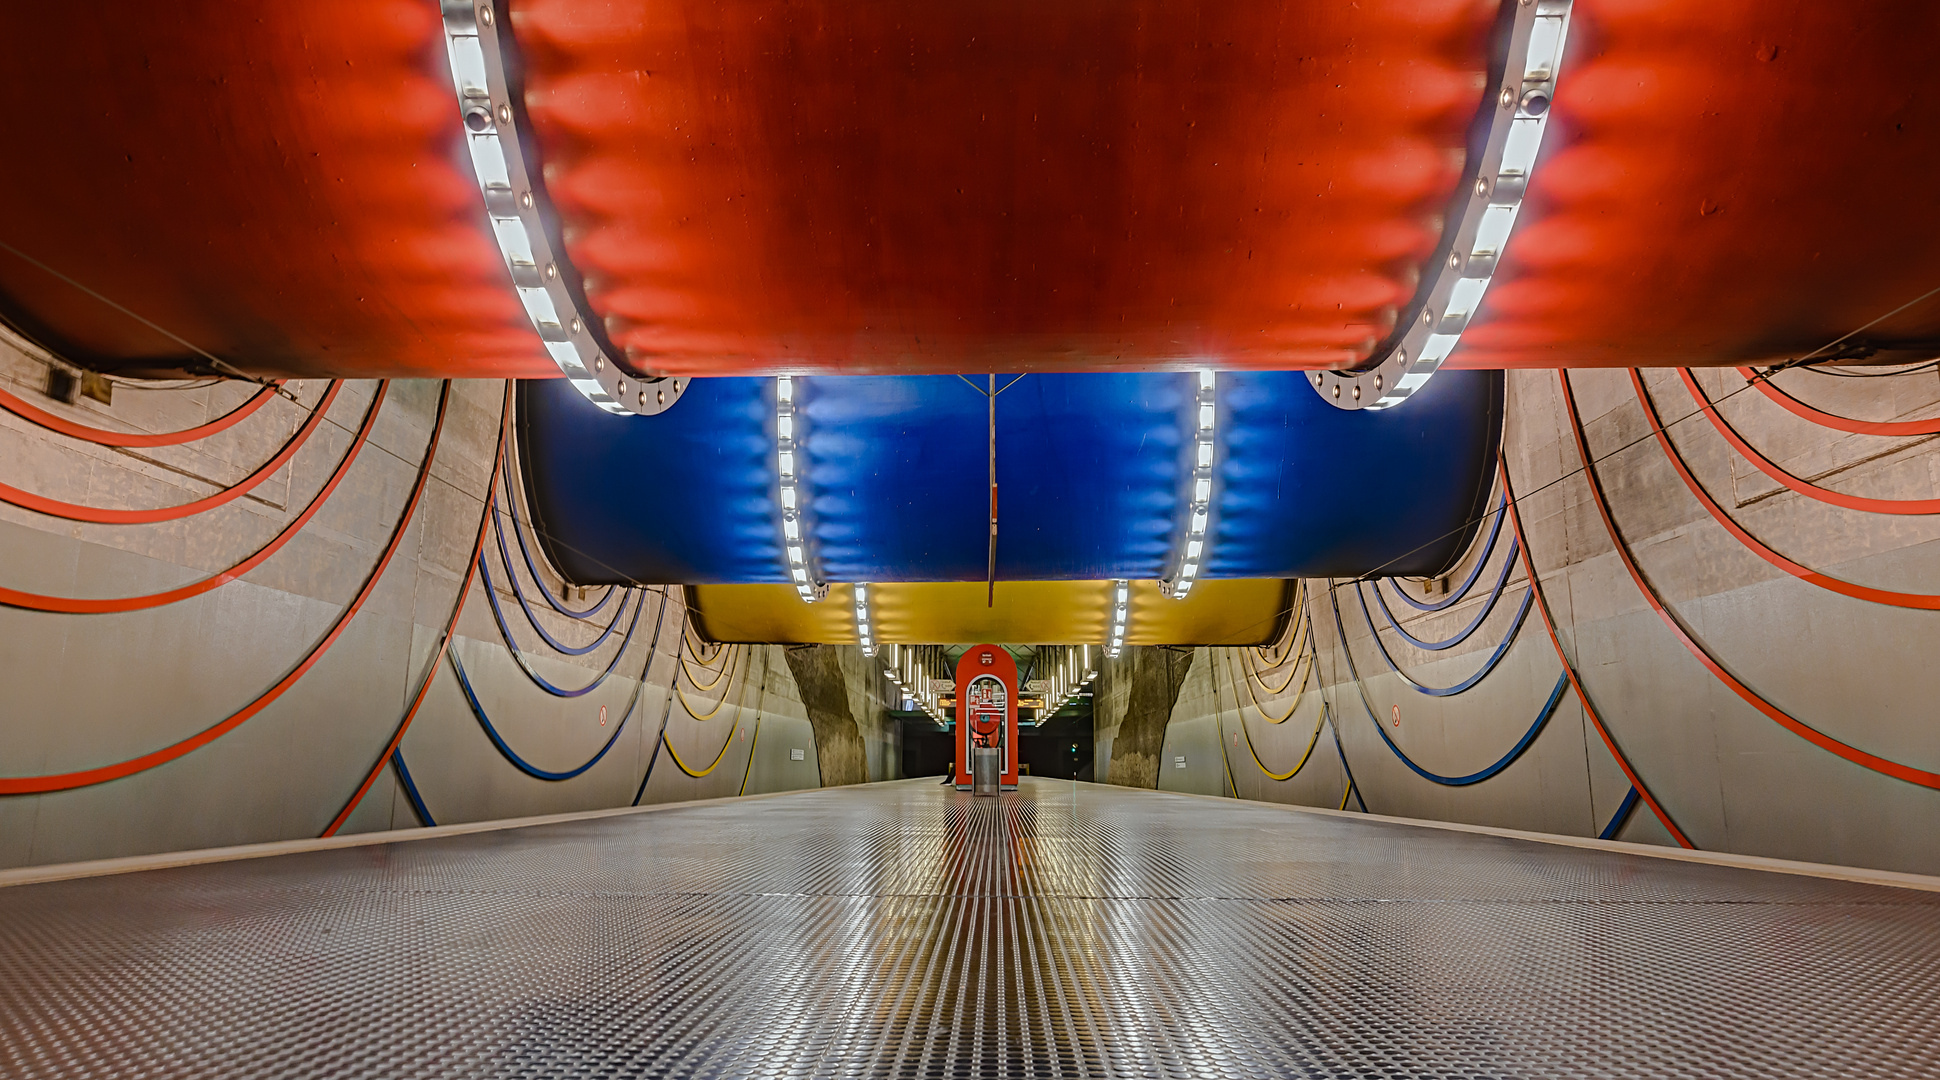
<point x="474" y="45"/>
<point x="1480" y="229"/>
<point x="865" y="634"/>
<point x="1121" y="606"/>
<point x="907" y="672"/>
<point x="794" y="540"/>
<point x="1074" y="672"/>
<point x="1179" y="582"/>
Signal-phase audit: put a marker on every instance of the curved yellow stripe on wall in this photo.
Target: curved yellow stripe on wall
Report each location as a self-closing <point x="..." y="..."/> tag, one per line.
<point x="1251" y="611"/>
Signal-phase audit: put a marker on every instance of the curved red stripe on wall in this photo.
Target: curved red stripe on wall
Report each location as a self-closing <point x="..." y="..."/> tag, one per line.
<point x="1925" y="601"/>
<point x="451" y="627"/>
<point x="1802" y="487"/>
<point x="1589" y="709"/>
<point x="34" y="414"/>
<point x="25" y="785"/>
<point x="1883" y="766"/>
<point x="81" y="606"/>
<point x="76" y="512"/>
<point x="1929" y="426"/>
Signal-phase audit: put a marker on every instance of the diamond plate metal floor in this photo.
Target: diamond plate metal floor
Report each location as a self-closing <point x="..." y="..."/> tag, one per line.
<point x="908" y="930"/>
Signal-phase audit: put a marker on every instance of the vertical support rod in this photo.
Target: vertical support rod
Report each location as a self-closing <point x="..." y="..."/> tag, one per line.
<point x="990" y="574"/>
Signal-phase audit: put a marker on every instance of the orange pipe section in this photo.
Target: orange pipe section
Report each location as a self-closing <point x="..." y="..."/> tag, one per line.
<point x="871" y="186"/>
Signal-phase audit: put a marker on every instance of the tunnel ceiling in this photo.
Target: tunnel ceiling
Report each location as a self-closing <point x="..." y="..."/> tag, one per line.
<point x="874" y="187"/>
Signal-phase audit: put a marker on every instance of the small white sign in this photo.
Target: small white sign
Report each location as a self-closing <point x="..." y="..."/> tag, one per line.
<point x="1179" y="762"/>
<point x="797" y="754"/>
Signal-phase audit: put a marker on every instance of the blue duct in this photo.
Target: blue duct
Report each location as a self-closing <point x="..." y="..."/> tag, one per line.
<point x="1092" y="471"/>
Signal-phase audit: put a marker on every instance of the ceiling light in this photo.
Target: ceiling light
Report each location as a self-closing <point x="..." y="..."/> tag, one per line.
<point x="1478" y="231"/>
<point x="476" y="52"/>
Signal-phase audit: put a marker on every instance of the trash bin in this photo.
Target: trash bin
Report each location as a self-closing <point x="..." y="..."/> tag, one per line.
<point x="985" y="769"/>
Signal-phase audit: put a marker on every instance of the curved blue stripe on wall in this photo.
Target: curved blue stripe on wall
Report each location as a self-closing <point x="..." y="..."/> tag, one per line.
<point x="1092" y="474"/>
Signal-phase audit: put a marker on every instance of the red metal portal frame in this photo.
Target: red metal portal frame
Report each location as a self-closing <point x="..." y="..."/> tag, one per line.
<point x="986" y="662"/>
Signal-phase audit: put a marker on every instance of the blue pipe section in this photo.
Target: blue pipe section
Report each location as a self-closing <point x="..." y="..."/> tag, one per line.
<point x="532" y="567"/>
<point x="1488" y="549"/>
<point x="505" y="631"/>
<point x="518" y="593"/>
<point x="1622" y="815"/>
<point x="505" y="749"/>
<point x="1501" y="649"/>
<point x="410" y="788"/>
<point x="1495" y="594"/>
<point x="1094" y="477"/>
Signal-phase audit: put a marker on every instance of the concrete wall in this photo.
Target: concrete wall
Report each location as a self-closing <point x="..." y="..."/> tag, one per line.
<point x="1732" y="778"/>
<point x="78" y="691"/>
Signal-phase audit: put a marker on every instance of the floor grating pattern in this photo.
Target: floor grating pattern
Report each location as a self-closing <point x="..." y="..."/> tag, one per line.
<point x="909" y="930"/>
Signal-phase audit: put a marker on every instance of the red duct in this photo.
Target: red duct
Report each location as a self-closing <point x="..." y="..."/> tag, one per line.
<point x="861" y="185"/>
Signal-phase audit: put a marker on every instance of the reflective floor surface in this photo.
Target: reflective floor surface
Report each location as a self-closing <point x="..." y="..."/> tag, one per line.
<point x="908" y="930"/>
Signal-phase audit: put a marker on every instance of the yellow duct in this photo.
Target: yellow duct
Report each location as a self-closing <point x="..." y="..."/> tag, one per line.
<point x="1245" y="612"/>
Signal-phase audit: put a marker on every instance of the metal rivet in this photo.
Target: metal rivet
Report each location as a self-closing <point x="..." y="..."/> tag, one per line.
<point x="552" y="271"/>
<point x="1336" y="389"/>
<point x="1535" y="102"/>
<point x="485" y="14"/>
<point x="577" y="325"/>
<point x="1357" y="391"/>
<point x="1454" y="260"/>
<point x="1377" y="380"/>
<point x="643" y="399"/>
<point x="1427" y="317"/>
<point x="599" y="362"/>
<point x="659" y="396"/>
<point x="478" y="119"/>
<point x="525" y="200"/>
<point x="505" y="114"/>
<point x="620" y="387"/>
<point x="1508" y="97"/>
<point x="1482" y="186"/>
